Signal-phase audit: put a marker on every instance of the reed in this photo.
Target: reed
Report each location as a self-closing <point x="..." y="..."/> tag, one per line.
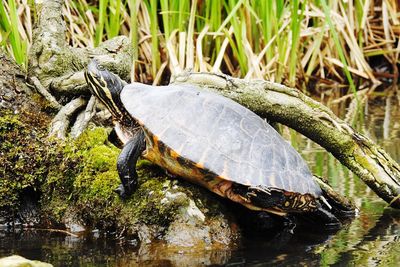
<point x="13" y="30"/>
<point x="298" y="42"/>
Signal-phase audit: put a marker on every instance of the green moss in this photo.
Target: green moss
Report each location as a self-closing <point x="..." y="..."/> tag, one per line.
<point x="25" y="157"/>
<point x="98" y="159"/>
<point x="64" y="174"/>
<point x="77" y="178"/>
<point x="88" y="177"/>
<point x="91" y="138"/>
<point x="89" y="165"/>
<point x="146" y="204"/>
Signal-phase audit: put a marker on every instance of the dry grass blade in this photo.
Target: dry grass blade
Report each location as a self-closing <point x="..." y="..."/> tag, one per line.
<point x="173" y="59"/>
<point x="182" y="49"/>
<point x="199" y="49"/>
<point x="190" y="37"/>
<point x="218" y="61"/>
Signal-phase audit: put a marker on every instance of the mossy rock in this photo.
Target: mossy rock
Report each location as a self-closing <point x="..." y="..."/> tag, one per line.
<point x="158" y="202"/>
<point x="26" y="156"/>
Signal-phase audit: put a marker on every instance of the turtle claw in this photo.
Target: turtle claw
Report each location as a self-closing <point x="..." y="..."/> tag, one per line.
<point x="124" y="191"/>
<point x="289" y="224"/>
<point x="120" y="190"/>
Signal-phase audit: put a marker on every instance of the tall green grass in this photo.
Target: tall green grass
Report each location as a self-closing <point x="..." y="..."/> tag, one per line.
<point x="297" y="14"/>
<point x="110" y="19"/>
<point x="133" y="35"/>
<point x="9" y="30"/>
<point x="292" y="42"/>
<point x="152" y="6"/>
<point x="338" y="46"/>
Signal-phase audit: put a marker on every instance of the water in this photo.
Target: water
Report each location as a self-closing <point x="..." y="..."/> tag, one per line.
<point x="371" y="239"/>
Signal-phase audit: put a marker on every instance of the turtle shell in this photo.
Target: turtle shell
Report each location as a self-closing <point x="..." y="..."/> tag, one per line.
<point x="219" y="135"/>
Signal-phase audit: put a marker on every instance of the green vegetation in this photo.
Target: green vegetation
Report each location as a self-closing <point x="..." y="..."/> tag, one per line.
<point x="13" y="30"/>
<point x="294" y="42"/>
<point x="24" y="159"/>
<point x="76" y="179"/>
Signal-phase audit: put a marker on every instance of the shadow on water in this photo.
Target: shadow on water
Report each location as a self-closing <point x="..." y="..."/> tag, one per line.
<point x="371" y="239"/>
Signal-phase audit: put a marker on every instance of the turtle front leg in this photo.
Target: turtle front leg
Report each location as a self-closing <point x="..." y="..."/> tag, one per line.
<point x="126" y="164"/>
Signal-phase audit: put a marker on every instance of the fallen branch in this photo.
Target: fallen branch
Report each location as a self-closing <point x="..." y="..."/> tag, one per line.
<point x="54" y="230"/>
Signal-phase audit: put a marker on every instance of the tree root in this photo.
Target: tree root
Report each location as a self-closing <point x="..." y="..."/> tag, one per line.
<point x="49" y="97"/>
<point x="62" y="120"/>
<point x="83" y="118"/>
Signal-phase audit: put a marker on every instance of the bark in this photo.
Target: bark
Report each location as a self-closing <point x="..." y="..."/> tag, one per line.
<point x="62" y="120"/>
<point x="12" y="85"/>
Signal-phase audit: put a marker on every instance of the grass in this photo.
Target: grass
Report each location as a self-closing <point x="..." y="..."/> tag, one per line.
<point x="299" y="43"/>
<point x="14" y="29"/>
<point x="338" y="46"/>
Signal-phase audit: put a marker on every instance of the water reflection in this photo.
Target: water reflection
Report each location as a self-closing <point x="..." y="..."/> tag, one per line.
<point x="61" y="250"/>
<point x="370" y="239"/>
<point x="383" y="124"/>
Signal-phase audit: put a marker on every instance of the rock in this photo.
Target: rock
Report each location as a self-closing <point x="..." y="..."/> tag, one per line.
<point x="74" y="226"/>
<point x="192" y="228"/>
<point x="18" y="261"/>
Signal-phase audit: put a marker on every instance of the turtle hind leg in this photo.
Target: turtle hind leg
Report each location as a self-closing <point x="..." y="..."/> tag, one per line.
<point x="333" y="210"/>
<point x="328" y="218"/>
<point x="268" y="199"/>
<point x="260" y="197"/>
<point x="322" y="219"/>
<point x="126" y="164"/>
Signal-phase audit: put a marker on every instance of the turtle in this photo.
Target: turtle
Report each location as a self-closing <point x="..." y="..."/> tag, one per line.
<point x="209" y="140"/>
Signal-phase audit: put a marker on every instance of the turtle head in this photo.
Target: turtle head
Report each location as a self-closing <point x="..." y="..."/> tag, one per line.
<point x="106" y="86"/>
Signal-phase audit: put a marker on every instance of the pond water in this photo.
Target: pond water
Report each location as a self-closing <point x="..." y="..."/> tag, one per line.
<point x="371" y="239"/>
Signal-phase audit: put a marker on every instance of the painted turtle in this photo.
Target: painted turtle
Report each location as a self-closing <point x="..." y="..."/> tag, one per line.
<point x="209" y="140"/>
